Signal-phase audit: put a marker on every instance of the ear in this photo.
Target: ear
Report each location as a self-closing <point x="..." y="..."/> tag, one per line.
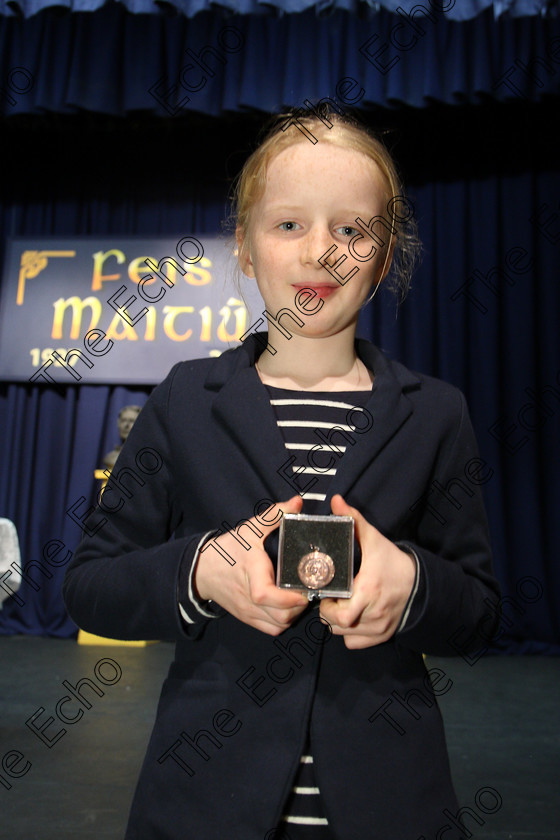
<point x="244" y="253"/>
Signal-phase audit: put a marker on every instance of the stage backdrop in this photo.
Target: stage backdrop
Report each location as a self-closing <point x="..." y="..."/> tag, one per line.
<point x="118" y="309"/>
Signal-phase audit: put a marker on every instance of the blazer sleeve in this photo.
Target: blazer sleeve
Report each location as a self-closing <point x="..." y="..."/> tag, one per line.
<point x="456" y="608"/>
<point x="123" y="581"/>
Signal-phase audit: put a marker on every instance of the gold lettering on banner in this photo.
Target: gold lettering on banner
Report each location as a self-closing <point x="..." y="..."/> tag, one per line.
<point x="60" y="307"/>
<point x="31" y="264"/>
<point x="171" y="312"/>
<point x="127" y="331"/>
<point x="240" y="315"/>
<point x="197" y="274"/>
<point x="150" y="320"/>
<point x="99" y="259"/>
<point x="206" y="326"/>
<point x="138" y="269"/>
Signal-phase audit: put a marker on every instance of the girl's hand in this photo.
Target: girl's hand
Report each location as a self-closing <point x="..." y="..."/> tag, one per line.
<point x="381" y="587"/>
<point x="247" y="590"/>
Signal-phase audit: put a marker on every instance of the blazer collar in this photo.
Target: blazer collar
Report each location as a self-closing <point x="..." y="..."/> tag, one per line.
<point x="243" y="409"/>
<point x="238" y="358"/>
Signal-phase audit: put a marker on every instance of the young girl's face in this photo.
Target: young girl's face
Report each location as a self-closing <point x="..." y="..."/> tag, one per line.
<point x="312" y="197"/>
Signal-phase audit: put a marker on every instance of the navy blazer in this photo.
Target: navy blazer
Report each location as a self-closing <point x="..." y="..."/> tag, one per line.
<point x="236" y="706"/>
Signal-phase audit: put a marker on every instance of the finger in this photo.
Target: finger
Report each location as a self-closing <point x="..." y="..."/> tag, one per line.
<point x="283" y="617"/>
<point x="260" y="620"/>
<point x="270" y="628"/>
<point x="344" y="612"/>
<point x="280" y="599"/>
<point x="263" y="590"/>
<point x="354" y="637"/>
<point x="359" y="642"/>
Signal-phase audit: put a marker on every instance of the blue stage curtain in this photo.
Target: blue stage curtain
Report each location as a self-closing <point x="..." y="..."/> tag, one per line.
<point x="485" y="185"/>
<point x="51" y="444"/>
<point x="484" y="313"/>
<point x="453" y="10"/>
<point x="111" y="62"/>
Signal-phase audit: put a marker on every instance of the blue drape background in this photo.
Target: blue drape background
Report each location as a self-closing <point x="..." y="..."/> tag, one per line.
<point x="111" y="62"/>
<point x="88" y="150"/>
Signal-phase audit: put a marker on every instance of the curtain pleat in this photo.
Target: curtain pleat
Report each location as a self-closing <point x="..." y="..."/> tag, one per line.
<point x="111" y="62"/>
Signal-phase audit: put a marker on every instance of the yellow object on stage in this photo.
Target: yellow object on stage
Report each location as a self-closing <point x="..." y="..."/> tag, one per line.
<point x="85" y="638"/>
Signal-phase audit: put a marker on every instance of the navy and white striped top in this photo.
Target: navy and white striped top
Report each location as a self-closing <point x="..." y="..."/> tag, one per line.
<point x="312" y="419"/>
<point x="307" y="420"/>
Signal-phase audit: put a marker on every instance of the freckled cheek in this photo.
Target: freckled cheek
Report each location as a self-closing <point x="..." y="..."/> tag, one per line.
<point x="271" y="280"/>
<point x="361" y="281"/>
<point x="274" y="265"/>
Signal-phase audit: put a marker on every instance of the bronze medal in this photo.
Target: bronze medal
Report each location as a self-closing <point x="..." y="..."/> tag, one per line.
<point x="316" y="569"/>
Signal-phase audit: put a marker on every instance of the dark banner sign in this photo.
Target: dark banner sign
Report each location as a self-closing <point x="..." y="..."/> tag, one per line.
<point x="118" y="309"/>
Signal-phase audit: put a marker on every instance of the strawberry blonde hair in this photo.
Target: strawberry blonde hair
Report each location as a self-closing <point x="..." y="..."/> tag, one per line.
<point x="347" y="133"/>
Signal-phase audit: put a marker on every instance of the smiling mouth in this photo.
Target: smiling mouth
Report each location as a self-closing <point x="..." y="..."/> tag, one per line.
<point x="322" y="290"/>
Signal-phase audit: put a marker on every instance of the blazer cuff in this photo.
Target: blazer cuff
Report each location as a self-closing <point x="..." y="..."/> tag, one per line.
<point x="416" y="588"/>
<point x="192" y="608"/>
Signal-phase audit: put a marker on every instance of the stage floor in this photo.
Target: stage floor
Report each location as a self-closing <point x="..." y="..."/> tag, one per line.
<point x="501" y="716"/>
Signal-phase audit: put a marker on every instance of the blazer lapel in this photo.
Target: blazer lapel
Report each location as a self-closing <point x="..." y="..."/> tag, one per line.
<point x="389" y="408"/>
<point x="243" y="409"/>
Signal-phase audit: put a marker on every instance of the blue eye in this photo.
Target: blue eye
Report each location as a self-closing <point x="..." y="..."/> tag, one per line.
<point x="292" y="226"/>
<point x="347" y="230"/>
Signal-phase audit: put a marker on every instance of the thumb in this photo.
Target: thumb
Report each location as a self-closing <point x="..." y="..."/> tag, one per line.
<point x="340" y="508"/>
<point x="269" y="519"/>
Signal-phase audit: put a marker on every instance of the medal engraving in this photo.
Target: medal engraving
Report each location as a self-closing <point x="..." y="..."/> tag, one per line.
<point x="316" y="569"/>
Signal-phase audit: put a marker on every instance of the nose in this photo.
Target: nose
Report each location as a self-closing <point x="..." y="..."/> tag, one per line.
<point x="317" y="241"/>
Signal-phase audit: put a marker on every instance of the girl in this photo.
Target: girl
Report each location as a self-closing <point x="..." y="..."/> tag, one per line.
<point x="278" y="718"/>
